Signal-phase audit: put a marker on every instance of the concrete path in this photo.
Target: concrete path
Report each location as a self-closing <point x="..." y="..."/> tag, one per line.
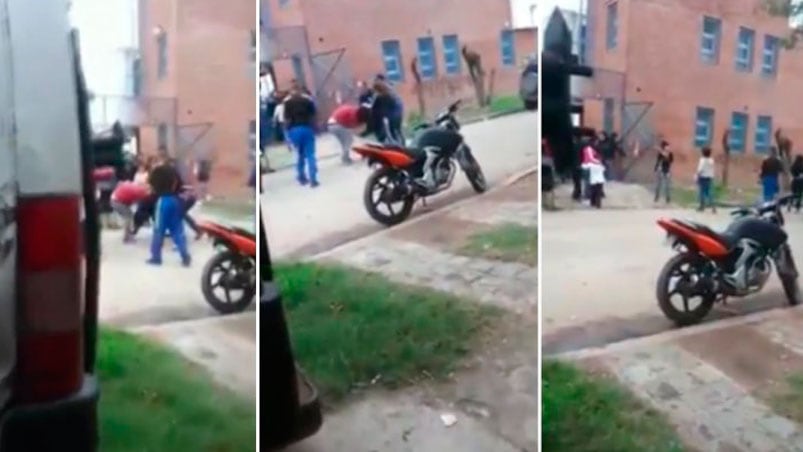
<point x="600" y="270"/>
<point x="494" y="398"/>
<point x="718" y="383"/>
<point x="304" y="221"/>
<point x="166" y="304"/>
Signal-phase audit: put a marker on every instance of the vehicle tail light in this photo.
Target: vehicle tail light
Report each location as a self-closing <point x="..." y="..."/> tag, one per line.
<point x="49" y="294"/>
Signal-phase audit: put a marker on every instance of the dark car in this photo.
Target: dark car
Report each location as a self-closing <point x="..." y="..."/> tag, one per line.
<point x="289" y="406"/>
<point x="528" y="86"/>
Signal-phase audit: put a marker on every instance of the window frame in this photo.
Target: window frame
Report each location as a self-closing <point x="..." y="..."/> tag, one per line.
<point x="612" y="26"/>
<point x="162" y="59"/>
<point x="505" y="36"/>
<point x="757" y="145"/>
<point x="457" y="68"/>
<point x="745" y="65"/>
<point x="425" y="46"/>
<point x="711" y="58"/>
<point x="392" y="46"/>
<point x="774" y="53"/>
<point x="710" y="115"/>
<point x="739" y="147"/>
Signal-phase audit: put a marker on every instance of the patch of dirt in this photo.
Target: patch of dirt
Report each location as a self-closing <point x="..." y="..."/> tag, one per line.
<point x="524" y="190"/>
<point x="440" y="230"/>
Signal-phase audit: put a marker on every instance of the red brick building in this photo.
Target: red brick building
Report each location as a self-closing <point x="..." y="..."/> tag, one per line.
<point x="699" y="67"/>
<point x="332" y="44"/>
<point x="199" y="62"/>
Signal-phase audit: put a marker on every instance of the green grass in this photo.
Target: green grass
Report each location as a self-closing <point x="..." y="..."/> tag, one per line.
<point x="153" y="400"/>
<point x="350" y="328"/>
<point x="688" y="196"/>
<point x="509" y="243"/>
<point x="581" y="413"/>
<point x="789" y="401"/>
<point x="505" y="104"/>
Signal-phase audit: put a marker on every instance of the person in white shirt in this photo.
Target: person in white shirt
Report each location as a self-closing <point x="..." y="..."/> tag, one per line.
<point x="705" y="179"/>
<point x="596" y="180"/>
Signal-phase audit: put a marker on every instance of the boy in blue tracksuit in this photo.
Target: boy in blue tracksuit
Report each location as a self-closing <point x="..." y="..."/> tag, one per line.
<point x="169" y="213"/>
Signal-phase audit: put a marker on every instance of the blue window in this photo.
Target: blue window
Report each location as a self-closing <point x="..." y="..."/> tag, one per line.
<point x="583" y="35"/>
<point x="612" y="26"/>
<point x="508" y="48"/>
<point x="451" y="54"/>
<point x="744" y="49"/>
<point x="607" y="114"/>
<point x="769" y="58"/>
<point x="738" y="131"/>
<point x="426" y="58"/>
<point x="710" y="42"/>
<point x="391" y="54"/>
<point x="703" y="127"/>
<point x="763" y="134"/>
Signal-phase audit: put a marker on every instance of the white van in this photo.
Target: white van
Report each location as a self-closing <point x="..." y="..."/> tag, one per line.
<point x="49" y="255"/>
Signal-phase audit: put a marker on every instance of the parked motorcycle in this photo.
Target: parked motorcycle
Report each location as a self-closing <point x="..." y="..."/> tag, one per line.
<point x="424" y="168"/>
<point x="712" y="266"/>
<point x="228" y="281"/>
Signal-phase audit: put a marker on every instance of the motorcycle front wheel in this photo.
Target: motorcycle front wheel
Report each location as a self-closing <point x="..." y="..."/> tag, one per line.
<point x="686" y="272"/>
<point x="474" y="174"/>
<point x="385" y="198"/>
<point x="787" y="272"/>
<point x="227" y="284"/>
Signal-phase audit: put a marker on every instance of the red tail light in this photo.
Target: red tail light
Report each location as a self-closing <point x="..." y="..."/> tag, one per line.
<point x="49" y="294"/>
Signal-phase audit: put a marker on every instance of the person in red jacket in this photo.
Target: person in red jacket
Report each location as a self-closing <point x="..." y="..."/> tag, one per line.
<point x="125" y="196"/>
<point x="345" y="120"/>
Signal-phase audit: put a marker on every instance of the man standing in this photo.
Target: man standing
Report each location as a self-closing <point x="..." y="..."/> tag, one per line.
<point x="164" y="181"/>
<point x="397" y="115"/>
<point x="299" y="117"/>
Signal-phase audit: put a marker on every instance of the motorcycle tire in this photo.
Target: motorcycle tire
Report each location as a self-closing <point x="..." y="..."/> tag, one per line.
<point x="222" y="306"/>
<point x="475" y="175"/>
<point x="385" y="219"/>
<point x="789" y="279"/>
<point x="680" y="318"/>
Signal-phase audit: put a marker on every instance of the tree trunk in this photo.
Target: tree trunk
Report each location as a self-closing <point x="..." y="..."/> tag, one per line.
<point x="727" y="161"/>
<point x="419" y="88"/>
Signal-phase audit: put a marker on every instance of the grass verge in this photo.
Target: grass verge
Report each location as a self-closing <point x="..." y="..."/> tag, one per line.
<point x="582" y="413"/>
<point x="351" y="328"/>
<point x="509" y="243"/>
<point x="688" y="196"/>
<point x="154" y="400"/>
<point x="789" y="401"/>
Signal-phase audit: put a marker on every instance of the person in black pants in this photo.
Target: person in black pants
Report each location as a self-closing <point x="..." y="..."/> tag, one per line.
<point x="797" y="181"/>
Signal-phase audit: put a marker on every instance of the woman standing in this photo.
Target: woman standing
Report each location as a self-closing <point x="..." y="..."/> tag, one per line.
<point x="299" y="117"/>
<point x="705" y="179"/>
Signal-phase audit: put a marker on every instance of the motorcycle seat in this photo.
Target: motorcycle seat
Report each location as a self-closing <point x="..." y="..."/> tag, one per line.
<point x="244" y="233"/>
<point x="725" y="237"/>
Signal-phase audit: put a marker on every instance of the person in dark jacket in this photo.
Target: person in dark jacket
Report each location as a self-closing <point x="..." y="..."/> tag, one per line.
<point x="771" y="169"/>
<point x="165" y="182"/>
<point x="396" y="117"/>
<point x="797" y="181"/>
<point x="365" y="94"/>
<point x="663" y="172"/>
<point x="383" y="111"/>
<point x="299" y="117"/>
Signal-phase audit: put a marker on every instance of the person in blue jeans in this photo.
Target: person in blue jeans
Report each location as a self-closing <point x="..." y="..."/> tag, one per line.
<point x="169" y="213"/>
<point x="771" y="169"/>
<point x="299" y="117"/>
<point x="705" y="180"/>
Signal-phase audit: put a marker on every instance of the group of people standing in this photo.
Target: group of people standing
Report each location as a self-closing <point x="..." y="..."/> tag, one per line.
<point x="598" y="156"/>
<point x="156" y="192"/>
<point x="293" y="117"/>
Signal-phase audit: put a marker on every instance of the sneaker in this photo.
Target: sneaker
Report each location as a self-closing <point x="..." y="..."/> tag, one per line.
<point x="153" y="261"/>
<point x="303" y="181"/>
<point x="186" y="261"/>
<point x="315" y="184"/>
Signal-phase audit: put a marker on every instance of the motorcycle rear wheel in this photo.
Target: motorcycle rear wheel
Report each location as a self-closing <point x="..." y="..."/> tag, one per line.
<point x="227" y="305"/>
<point x="674" y="268"/>
<point x="385" y="178"/>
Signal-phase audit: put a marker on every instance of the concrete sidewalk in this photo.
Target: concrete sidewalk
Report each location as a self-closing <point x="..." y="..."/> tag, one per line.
<point x="494" y="397"/>
<point x="716" y="383"/>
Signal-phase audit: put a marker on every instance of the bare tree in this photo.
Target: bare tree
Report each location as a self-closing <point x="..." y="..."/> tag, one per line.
<point x="726" y="147"/>
<point x="419" y="88"/>
<point x="477" y="73"/>
<point x="790" y="10"/>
